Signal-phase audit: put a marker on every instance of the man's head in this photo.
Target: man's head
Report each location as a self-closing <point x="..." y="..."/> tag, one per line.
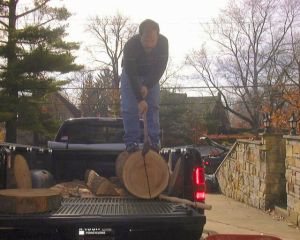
<point x="149" y="31"/>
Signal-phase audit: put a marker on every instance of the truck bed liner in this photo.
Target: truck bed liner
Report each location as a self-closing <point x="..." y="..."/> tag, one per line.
<point x="116" y="206"/>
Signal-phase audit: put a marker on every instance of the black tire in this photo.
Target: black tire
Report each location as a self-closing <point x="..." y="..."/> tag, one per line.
<point x="187" y="234"/>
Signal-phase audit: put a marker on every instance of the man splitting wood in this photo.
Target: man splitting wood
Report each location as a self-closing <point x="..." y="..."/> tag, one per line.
<point x="144" y="62"/>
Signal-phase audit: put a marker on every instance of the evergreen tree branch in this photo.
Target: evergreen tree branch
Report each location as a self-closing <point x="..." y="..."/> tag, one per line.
<point x="33" y="10"/>
<point x="44" y="23"/>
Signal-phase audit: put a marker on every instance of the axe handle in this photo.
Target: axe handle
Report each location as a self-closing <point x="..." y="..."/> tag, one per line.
<point x="185" y="201"/>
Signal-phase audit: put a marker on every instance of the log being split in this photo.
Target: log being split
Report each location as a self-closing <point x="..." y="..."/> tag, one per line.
<point x="143" y="178"/>
<point x="185" y="201"/>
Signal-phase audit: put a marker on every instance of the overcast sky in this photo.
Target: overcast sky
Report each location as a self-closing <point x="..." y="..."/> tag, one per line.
<point x="179" y="20"/>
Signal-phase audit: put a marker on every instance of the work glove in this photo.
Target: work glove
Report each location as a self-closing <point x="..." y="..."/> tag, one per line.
<point x="143" y="107"/>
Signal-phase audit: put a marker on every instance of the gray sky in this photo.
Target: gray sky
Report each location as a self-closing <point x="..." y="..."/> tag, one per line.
<point x="179" y="20"/>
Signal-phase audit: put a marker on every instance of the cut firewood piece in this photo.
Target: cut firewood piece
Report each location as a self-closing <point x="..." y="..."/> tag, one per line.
<point x="143" y="177"/>
<point x="176" y="179"/>
<point x="74" y="188"/>
<point x="100" y="186"/>
<point x="22" y="173"/>
<point x="24" y="201"/>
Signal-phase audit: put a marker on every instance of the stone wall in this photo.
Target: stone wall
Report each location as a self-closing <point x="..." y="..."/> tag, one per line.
<point x="253" y="172"/>
<point x="292" y="175"/>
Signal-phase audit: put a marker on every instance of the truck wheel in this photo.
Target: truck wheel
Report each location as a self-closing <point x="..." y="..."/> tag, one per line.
<point x="188" y="234"/>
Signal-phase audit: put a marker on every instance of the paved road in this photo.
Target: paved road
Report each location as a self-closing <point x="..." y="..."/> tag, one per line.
<point x="230" y="216"/>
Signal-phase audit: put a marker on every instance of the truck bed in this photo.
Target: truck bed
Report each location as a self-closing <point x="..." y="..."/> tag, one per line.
<point x="108" y="218"/>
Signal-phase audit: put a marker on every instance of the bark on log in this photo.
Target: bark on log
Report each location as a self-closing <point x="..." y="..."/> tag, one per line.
<point x="144" y="178"/>
<point x="100" y="186"/>
<point x="24" y="201"/>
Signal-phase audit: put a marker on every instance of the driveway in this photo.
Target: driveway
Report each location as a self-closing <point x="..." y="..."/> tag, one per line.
<point x="230" y="216"/>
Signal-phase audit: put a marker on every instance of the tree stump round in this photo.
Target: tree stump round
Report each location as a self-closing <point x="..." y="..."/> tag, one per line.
<point x="24" y="201"/>
<point x="143" y="177"/>
<point x="22" y="173"/>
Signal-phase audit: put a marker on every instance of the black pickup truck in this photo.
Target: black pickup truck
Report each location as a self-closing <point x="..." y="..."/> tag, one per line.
<point x="94" y="143"/>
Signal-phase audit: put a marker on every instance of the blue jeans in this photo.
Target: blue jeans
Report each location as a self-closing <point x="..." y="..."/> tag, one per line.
<point x="130" y="112"/>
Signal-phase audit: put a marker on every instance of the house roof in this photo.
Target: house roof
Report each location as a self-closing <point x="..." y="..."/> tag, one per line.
<point x="202" y="105"/>
<point x="72" y="108"/>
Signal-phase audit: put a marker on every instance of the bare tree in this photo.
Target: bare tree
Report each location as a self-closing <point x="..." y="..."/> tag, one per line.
<point x="295" y="40"/>
<point x="111" y="33"/>
<point x="171" y="73"/>
<point x="251" y="36"/>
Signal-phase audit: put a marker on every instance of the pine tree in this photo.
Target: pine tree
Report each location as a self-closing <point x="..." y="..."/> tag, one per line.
<point x="32" y="52"/>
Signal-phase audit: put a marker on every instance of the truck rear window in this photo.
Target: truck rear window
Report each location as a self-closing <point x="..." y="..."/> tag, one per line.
<point x="90" y="133"/>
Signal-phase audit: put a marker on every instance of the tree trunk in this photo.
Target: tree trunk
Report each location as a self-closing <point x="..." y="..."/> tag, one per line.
<point x="11" y="78"/>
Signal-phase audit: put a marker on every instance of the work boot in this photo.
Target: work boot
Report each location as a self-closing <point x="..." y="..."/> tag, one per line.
<point x="132" y="147"/>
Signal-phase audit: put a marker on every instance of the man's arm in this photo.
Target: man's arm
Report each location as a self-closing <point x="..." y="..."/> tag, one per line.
<point x="159" y="65"/>
<point x="130" y="66"/>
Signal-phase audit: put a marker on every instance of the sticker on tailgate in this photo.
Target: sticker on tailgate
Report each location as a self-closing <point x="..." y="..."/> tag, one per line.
<point x="87" y="233"/>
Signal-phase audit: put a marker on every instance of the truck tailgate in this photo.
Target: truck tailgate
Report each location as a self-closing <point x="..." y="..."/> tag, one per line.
<point x="106" y="209"/>
<point x="112" y="213"/>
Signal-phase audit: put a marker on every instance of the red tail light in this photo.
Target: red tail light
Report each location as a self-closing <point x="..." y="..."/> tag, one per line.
<point x="199" y="178"/>
<point x="200" y="196"/>
<point x="199" y="184"/>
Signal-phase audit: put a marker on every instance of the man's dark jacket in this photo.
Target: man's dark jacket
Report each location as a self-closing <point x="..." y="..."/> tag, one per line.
<point x="149" y="67"/>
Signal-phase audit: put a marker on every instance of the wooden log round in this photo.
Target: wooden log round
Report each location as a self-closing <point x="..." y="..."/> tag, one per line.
<point x="24" y="201"/>
<point x="144" y="178"/>
<point x="22" y="173"/>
